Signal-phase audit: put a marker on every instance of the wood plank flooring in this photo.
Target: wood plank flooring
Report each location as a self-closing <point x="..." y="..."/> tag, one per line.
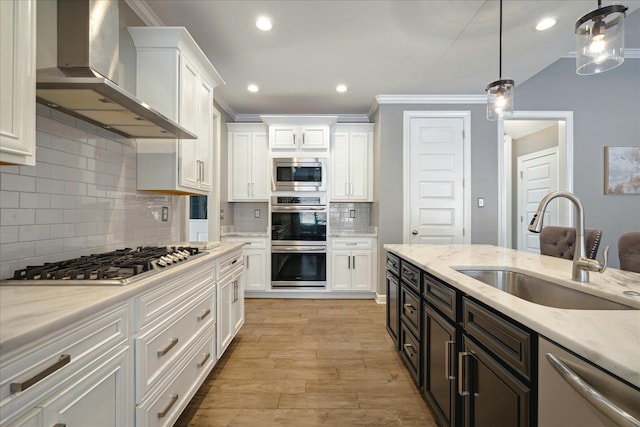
<point x="309" y="363"/>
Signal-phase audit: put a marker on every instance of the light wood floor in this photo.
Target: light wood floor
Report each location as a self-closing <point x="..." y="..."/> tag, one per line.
<point x="309" y="363"/>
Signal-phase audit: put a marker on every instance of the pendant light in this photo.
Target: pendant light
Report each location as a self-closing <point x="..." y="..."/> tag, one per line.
<point x="500" y="92"/>
<point x="600" y="40"/>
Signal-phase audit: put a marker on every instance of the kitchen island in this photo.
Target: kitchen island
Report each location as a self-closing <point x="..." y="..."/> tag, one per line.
<point x="482" y="356"/>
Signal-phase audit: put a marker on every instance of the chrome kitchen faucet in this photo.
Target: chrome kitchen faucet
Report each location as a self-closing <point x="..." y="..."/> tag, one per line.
<point x="581" y="264"/>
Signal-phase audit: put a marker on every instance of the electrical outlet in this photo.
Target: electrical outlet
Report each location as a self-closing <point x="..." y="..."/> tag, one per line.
<point x="352" y="213"/>
<point x="221" y="213"/>
<point x="256" y="213"/>
<point x="165" y="213"/>
<point x="480" y="202"/>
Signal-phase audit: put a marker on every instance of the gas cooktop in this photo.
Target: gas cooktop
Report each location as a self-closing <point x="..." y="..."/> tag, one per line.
<point x="119" y="267"/>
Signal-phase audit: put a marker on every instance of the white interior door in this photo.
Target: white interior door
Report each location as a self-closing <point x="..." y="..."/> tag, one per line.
<point x="436" y="180"/>
<point x="537" y="177"/>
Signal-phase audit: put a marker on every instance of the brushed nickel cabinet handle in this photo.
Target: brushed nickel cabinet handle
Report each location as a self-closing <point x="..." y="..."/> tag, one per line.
<point x="354" y="262"/>
<point x="408" y="347"/>
<point x="168" y="348"/>
<point x="410" y="308"/>
<point x="461" y="373"/>
<point x="63" y="359"/>
<point x="349" y="262"/>
<point x="447" y="361"/>
<point x="248" y="189"/>
<point x="206" y="357"/>
<point x="303" y="138"/>
<point x="247" y="262"/>
<point x="294" y="139"/>
<point x="60" y="425"/>
<point x="204" y="315"/>
<point x="174" y="399"/>
<point x="591" y="395"/>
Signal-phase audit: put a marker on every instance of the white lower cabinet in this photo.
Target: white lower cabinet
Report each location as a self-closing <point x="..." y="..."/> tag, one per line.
<point x="230" y="299"/>
<point x="351" y="264"/>
<point x="256" y="267"/>
<point x="83" y="372"/>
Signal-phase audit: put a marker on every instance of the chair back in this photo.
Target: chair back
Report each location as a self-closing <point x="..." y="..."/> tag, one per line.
<point x="629" y="251"/>
<point x="560" y="242"/>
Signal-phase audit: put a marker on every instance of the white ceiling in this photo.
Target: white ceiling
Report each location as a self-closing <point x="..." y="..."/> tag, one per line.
<point x="374" y="47"/>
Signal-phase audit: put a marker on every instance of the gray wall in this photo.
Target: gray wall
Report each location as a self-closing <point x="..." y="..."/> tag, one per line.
<point x="387" y="212"/>
<point x="606" y="113"/>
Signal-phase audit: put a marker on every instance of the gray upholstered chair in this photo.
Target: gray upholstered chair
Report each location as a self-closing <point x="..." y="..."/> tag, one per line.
<point x="629" y="251"/>
<point x="560" y="242"/>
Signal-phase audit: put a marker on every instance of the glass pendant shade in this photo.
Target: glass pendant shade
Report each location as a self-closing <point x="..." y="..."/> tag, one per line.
<point x="600" y="40"/>
<point x="499" y="99"/>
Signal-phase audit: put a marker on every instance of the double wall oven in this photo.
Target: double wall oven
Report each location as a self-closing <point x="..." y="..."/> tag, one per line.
<point x="298" y="241"/>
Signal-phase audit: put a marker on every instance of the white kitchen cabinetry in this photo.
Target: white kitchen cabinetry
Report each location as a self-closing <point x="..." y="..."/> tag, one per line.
<point x="83" y="372"/>
<point x="176" y="78"/>
<point x="18" y="82"/>
<point x="248" y="162"/>
<point x="351" y="172"/>
<point x="230" y="299"/>
<point x="299" y="133"/>
<point x="256" y="265"/>
<point x="351" y="267"/>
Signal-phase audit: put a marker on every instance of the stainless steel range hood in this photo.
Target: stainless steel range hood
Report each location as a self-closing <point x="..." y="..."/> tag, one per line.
<point x="83" y="85"/>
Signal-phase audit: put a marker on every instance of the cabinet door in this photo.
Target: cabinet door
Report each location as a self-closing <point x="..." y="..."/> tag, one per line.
<point x="314" y="137"/>
<point x="225" y="290"/>
<point x="439" y="365"/>
<point x="102" y="396"/>
<point x="341" y="270"/>
<point x="239" y="166"/>
<point x="237" y="303"/>
<point x="361" y="270"/>
<point x="393" y="311"/>
<point x="359" y="166"/>
<point x="340" y="183"/>
<point x="18" y="82"/>
<point x="495" y="397"/>
<point x="204" y="146"/>
<point x="255" y="269"/>
<point x="282" y="137"/>
<point x="260" y="166"/>
<point x="189" y="90"/>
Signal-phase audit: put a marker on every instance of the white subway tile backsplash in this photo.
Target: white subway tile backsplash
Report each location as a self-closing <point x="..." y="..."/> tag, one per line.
<point x="35" y="200"/>
<point x="49" y="186"/>
<point x="16" y="251"/>
<point x="75" y="188"/>
<point x="9" y="199"/>
<point x="9" y="234"/>
<point x="34" y="232"/>
<point x="58" y="231"/>
<point x="11" y="182"/>
<point x="49" y="216"/>
<point x="74" y="243"/>
<point x="17" y="216"/>
<point x="47" y="247"/>
<point x="28" y="170"/>
<point x="49" y="156"/>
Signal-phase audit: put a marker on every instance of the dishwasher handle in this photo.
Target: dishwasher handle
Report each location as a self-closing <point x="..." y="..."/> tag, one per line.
<point x="591" y="395"/>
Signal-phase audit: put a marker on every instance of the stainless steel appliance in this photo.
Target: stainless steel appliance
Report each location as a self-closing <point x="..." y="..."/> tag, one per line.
<point x="119" y="267"/>
<point x="298" y="242"/>
<point x="299" y="174"/>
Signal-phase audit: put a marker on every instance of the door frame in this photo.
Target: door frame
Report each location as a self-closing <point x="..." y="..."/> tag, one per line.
<point x="520" y="196"/>
<point x="565" y="161"/>
<point x="406" y="145"/>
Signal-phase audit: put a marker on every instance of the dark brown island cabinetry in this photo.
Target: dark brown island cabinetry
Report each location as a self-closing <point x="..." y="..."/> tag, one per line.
<point x="474" y="366"/>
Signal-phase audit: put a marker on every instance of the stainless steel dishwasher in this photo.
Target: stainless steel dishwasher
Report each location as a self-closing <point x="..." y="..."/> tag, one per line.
<point x="574" y="393"/>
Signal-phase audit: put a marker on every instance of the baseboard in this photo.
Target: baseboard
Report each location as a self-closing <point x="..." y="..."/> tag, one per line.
<point x="310" y="295"/>
<point x="381" y="299"/>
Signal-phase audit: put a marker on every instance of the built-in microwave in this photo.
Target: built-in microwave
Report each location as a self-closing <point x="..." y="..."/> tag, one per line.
<point x="299" y="174"/>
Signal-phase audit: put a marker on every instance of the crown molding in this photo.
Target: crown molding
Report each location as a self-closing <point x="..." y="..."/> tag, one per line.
<point x="629" y="53"/>
<point x="144" y="12"/>
<point x="353" y="118"/>
<point x="247" y="118"/>
<point x="341" y="118"/>
<point x="425" y="99"/>
<point x="225" y="107"/>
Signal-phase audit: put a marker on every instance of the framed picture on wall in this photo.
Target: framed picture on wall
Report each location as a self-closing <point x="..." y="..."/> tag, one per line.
<point x="622" y="170"/>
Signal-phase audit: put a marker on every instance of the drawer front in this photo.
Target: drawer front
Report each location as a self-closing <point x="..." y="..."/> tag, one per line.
<point x="47" y="362"/>
<point x="167" y="402"/>
<point x="410" y="350"/>
<point x="508" y="341"/>
<point x="393" y="263"/>
<point x="410" y="275"/>
<point x="440" y="295"/>
<point x="161" y="300"/>
<point x="157" y="349"/>
<point x="230" y="263"/>
<point x="256" y="243"/>
<point x="410" y="308"/>
<point x="351" y="244"/>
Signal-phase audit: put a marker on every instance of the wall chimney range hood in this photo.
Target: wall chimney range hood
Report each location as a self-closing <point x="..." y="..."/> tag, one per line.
<point x="83" y="85"/>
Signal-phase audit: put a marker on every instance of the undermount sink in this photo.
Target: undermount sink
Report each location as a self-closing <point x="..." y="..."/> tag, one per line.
<point x="543" y="292"/>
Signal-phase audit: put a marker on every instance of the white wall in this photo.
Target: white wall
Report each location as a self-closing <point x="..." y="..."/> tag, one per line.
<point x="80" y="198"/>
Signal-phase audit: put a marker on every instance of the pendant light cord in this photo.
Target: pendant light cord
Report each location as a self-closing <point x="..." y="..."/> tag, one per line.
<point x="500" y="53"/>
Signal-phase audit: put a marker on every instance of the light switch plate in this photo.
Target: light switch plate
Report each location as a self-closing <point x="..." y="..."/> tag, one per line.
<point x="352" y="213"/>
<point x="480" y="202"/>
<point x="165" y="213"/>
<point x="256" y="213"/>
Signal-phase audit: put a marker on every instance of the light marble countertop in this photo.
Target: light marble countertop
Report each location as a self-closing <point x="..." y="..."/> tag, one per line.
<point x="608" y="338"/>
<point x="30" y="312"/>
<point x="245" y="234"/>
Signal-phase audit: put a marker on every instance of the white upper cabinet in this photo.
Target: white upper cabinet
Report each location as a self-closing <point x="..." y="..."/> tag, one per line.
<point x="248" y="162"/>
<point x="175" y="76"/>
<point x="304" y="133"/>
<point x="18" y="82"/>
<point x="351" y="172"/>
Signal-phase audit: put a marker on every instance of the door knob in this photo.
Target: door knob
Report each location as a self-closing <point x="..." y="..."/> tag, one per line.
<point x="414" y="232"/>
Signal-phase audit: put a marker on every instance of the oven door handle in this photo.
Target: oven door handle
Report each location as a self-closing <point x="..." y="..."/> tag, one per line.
<point x="287" y="249"/>
<point x="297" y="209"/>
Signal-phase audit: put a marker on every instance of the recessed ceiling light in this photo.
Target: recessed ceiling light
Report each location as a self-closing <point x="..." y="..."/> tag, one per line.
<point x="253" y="88"/>
<point x="545" y="24"/>
<point x="264" y="23"/>
<point x="341" y="88"/>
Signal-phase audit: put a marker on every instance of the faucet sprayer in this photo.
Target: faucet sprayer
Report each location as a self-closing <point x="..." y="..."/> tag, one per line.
<point x="581" y="264"/>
